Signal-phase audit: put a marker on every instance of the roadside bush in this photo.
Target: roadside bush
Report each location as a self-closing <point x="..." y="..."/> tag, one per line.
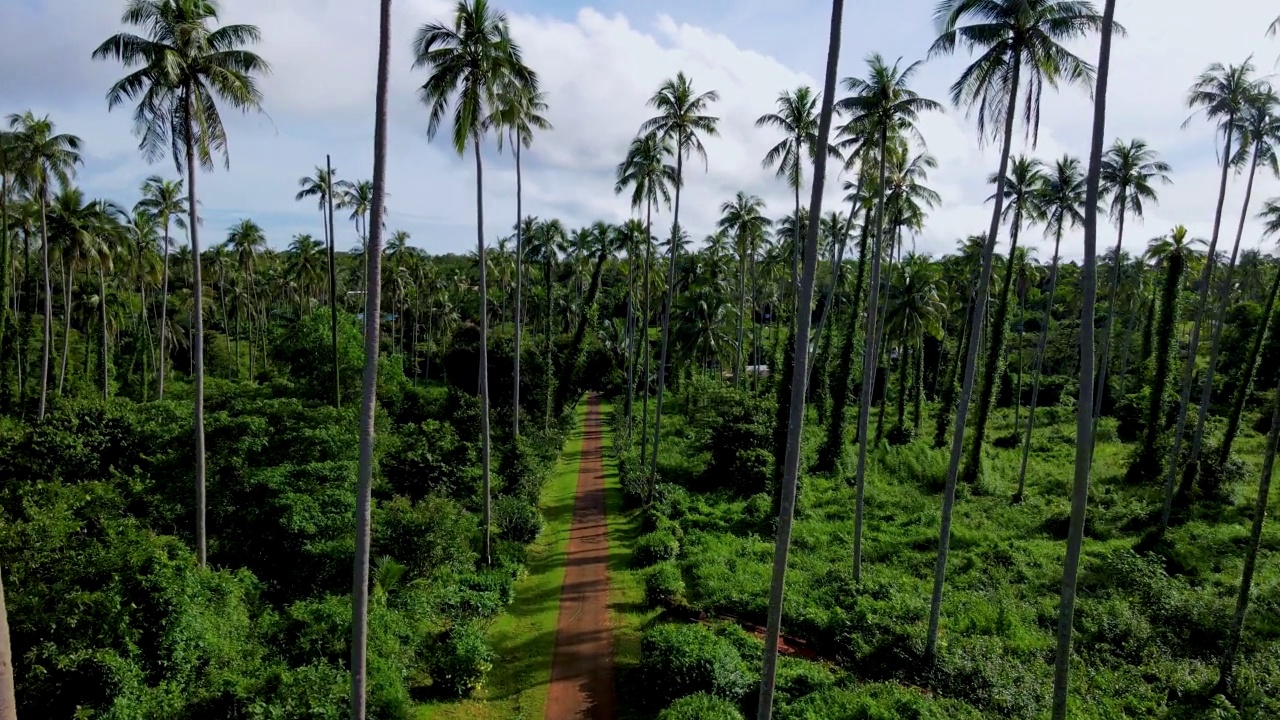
<point x="517" y="520"/>
<point x="458" y="662"/>
<point x="663" y="586"/>
<point x="655" y="547"/>
<point x="524" y="471"/>
<point x="739" y="441"/>
<point x="680" y="660"/>
<point x="701" y="707"/>
<point x="429" y="536"/>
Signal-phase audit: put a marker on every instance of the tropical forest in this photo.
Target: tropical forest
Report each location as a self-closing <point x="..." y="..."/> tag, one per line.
<point x="785" y="464"/>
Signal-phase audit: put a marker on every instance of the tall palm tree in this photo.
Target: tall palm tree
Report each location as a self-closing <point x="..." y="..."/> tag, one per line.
<point x="323" y="187"/>
<point x="881" y="105"/>
<point x="185" y="66"/>
<point x="369" y="397"/>
<point x="1021" y="192"/>
<point x="44" y="158"/>
<point x="1061" y="199"/>
<point x="165" y="200"/>
<point x="471" y="63"/>
<point x="1084" y="413"/>
<point x="796" y="119"/>
<point x="1129" y="171"/>
<point x="1222" y="94"/>
<point x="679" y="124"/>
<point x="795" y="427"/>
<point x="743" y="217"/>
<point x="519" y="114"/>
<point x="1021" y="50"/>
<point x="1259" y="134"/>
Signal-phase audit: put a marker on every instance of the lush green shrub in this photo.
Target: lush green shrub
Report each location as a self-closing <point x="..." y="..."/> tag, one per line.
<point x="517" y="520"/>
<point x="701" y="706"/>
<point x="655" y="547"/>
<point x="740" y="445"/>
<point x="524" y="470"/>
<point x="663" y="586"/>
<point x="458" y="661"/>
<point x="431" y="535"/>
<point x="430" y="457"/>
<point x="874" y="702"/>
<point x="679" y="660"/>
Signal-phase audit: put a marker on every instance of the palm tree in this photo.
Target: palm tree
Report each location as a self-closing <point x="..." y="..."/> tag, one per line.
<point x="165" y="201"/>
<point x="1084" y="413"/>
<point x="881" y="104"/>
<point x="791" y="471"/>
<point x="1021" y="192"/>
<point x="44" y="157"/>
<point x="743" y="217"/>
<point x="681" y="119"/>
<point x="1128" y="172"/>
<point x="1259" y="133"/>
<point x="1061" y="199"/>
<point x="186" y="65"/>
<point x="471" y="63"/>
<point x="369" y="398"/>
<point x="322" y="186"/>
<point x="519" y="115"/>
<point x="1223" y="94"/>
<point x="1016" y="37"/>
<point x="796" y="119"/>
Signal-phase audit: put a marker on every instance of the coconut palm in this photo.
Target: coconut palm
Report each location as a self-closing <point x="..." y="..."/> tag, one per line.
<point x="471" y="64"/>
<point x="795" y="426"/>
<point x="1084" y="413"/>
<point x="880" y="105"/>
<point x="185" y="66"/>
<point x="1021" y="45"/>
<point x="680" y="124"/>
<point x="1222" y="94"/>
<point x="1129" y="171"/>
<point x="165" y="200"/>
<point x="743" y="218"/>
<point x="44" y="158"/>
<point x="323" y="187"/>
<point x="519" y="115"/>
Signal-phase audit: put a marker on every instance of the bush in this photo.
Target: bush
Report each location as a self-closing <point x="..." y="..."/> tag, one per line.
<point x="517" y="520"/>
<point x="655" y="547"/>
<point x="701" y="707"/>
<point x="680" y="660"/>
<point x="740" y="443"/>
<point x="524" y="471"/>
<point x="664" y="586"/>
<point x="431" y="458"/>
<point x="429" y="536"/>
<point x="458" y="662"/>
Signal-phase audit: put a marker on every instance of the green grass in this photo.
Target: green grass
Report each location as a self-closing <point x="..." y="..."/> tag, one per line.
<point x="523" y="637"/>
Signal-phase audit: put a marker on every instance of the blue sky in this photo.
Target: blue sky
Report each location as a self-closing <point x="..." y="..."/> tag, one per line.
<point x="599" y="62"/>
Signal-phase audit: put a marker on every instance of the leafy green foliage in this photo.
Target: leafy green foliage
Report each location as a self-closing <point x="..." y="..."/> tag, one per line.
<point x="701" y="706"/>
<point x="679" y="660"/>
<point x="517" y="520"/>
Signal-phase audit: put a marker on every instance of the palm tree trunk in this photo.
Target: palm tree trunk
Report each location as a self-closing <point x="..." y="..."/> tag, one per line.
<point x="917" y="392"/>
<point x="826" y="310"/>
<point x="8" y="703"/>
<point x="369" y="398"/>
<point x="742" y="312"/>
<point x="1227" y="667"/>
<point x="791" y="473"/>
<point x="666" y="319"/>
<point x="1017" y="393"/>
<point x="6" y="266"/>
<point x="1189" y="366"/>
<point x="1105" y="359"/>
<point x="833" y="447"/>
<point x="102" y="320"/>
<point x="48" y="301"/>
<point x="1085" y="417"/>
<point x="164" y="307"/>
<point x="1128" y="343"/>
<point x="68" y="279"/>
<point x="519" y="312"/>
<point x="644" y="334"/>
<point x="547" y="362"/>
<point x="1206" y="390"/>
<point x="1045" y="321"/>
<point x="333" y="284"/>
<point x="870" y="358"/>
<point x="904" y="369"/>
<point x="629" y="410"/>
<point x="484" y="355"/>
<point x="197" y="336"/>
<point x="966" y="389"/>
<point x="1246" y="375"/>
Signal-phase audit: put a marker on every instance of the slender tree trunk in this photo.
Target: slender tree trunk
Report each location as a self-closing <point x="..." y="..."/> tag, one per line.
<point x="904" y="369"/>
<point x="966" y="389"/>
<point x="1246" y="375"/>
<point x="1226" y="670"/>
<point x="833" y="447"/>
<point x="68" y="279"/>
<point x="742" y="311"/>
<point x="1105" y="360"/>
<point x="197" y="336"/>
<point x="103" y="352"/>
<point x="1085" y="418"/>
<point x="1017" y="393"/>
<point x="484" y="356"/>
<point x="666" y="319"/>
<point x="369" y="397"/>
<point x="333" y="284"/>
<point x="1219" y="319"/>
<point x="630" y="354"/>
<point x="48" y="300"/>
<point x="519" y="311"/>
<point x="870" y="357"/>
<point x="1045" y="321"/>
<point x="828" y="300"/>
<point x="644" y="334"/>
<point x="164" y="308"/>
<point x="917" y="392"/>
<point x="8" y="703"/>
<point x="6" y="266"/>
<point x="1188" y="372"/>
<point x="1128" y="344"/>
<point x="782" y="546"/>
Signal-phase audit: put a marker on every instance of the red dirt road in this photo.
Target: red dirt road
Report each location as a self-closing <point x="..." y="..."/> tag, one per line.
<point x="582" y="663"/>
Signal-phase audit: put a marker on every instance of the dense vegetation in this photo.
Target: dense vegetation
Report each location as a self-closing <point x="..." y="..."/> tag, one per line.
<point x="796" y="381"/>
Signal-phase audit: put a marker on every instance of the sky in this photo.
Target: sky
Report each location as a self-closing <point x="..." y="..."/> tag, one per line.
<point x="599" y="62"/>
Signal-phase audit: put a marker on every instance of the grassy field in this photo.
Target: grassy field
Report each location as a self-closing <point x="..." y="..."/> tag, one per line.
<point x="523" y="637"/>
